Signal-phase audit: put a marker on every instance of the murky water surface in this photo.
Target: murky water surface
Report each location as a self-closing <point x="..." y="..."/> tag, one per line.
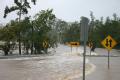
<point x="57" y="67"/>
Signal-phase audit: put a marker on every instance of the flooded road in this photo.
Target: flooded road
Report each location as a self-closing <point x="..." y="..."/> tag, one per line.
<point x="63" y="65"/>
<point x="102" y="72"/>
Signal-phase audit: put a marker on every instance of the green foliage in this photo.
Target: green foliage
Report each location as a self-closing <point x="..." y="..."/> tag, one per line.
<point x="72" y="33"/>
<point x="33" y="32"/>
<point x="7" y="34"/>
<point x="43" y="24"/>
<point x="60" y="27"/>
<point x="22" y="7"/>
<point x="47" y="29"/>
<point x="102" y="30"/>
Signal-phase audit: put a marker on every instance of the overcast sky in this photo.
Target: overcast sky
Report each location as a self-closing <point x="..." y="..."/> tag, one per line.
<point x="69" y="10"/>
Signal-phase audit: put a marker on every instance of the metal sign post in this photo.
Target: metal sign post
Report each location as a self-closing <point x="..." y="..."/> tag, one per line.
<point x="84" y="60"/>
<point x="84" y="38"/>
<point x="108" y="59"/>
<point x="109" y="43"/>
<point x="73" y="44"/>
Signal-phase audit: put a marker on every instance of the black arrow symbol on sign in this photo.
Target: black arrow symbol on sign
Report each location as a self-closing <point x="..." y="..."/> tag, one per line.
<point x="110" y="42"/>
<point x="106" y="42"/>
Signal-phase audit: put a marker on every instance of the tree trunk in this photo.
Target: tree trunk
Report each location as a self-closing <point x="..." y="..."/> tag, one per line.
<point x="19" y="40"/>
<point x="6" y="53"/>
<point x="32" y="40"/>
<point x="19" y="32"/>
<point x="6" y="49"/>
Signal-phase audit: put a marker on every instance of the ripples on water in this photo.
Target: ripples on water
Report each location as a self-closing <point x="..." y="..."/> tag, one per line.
<point x="57" y="67"/>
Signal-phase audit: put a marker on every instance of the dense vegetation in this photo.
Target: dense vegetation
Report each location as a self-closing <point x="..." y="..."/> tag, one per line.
<point x="46" y="31"/>
<point x="36" y="35"/>
<point x="98" y="30"/>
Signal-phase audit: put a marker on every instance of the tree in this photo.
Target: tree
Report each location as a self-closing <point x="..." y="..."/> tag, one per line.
<point x="26" y="33"/>
<point x="103" y="29"/>
<point x="72" y="33"/>
<point x="91" y="26"/>
<point x="22" y="7"/>
<point x="61" y="27"/>
<point x="43" y="24"/>
<point x="7" y="35"/>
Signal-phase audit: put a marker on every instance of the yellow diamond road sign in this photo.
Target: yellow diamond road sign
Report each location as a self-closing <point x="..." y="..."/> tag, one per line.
<point x="45" y="44"/>
<point x="109" y="42"/>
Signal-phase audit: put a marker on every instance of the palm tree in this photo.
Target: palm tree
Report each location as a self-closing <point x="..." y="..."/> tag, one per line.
<point x="22" y="8"/>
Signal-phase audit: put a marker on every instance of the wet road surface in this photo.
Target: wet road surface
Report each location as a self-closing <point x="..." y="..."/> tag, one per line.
<point x="102" y="72"/>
